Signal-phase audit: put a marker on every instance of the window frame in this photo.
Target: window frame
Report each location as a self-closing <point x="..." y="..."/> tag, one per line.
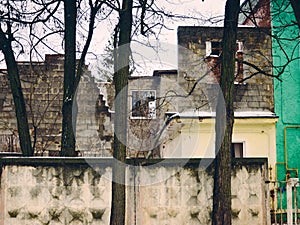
<point x="214" y="52"/>
<point x="140" y="97"/>
<point x="232" y="149"/>
<point x="209" y="48"/>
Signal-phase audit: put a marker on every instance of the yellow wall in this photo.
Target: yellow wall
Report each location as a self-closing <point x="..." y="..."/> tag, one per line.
<point x="195" y="139"/>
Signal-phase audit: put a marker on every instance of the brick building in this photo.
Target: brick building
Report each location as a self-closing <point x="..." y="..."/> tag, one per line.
<point x="42" y="84"/>
<point x="171" y="114"/>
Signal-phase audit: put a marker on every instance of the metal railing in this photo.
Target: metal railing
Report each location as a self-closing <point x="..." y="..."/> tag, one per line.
<point x="284" y="203"/>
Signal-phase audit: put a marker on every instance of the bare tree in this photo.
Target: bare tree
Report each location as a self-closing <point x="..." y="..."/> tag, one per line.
<point x="129" y="25"/>
<point x="41" y="21"/>
<point x="73" y="71"/>
<point x="68" y="135"/>
<point x="16" y="15"/>
<point x="225" y="118"/>
<point x="6" y="39"/>
<point x="121" y="62"/>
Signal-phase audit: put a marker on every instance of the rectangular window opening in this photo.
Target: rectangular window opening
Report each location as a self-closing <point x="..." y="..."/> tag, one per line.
<point x="237" y="150"/>
<point x="143" y="104"/>
<point x="214" y="51"/>
<point x="216" y="48"/>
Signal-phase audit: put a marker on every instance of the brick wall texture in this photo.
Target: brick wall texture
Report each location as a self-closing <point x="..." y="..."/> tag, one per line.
<point x="255" y="91"/>
<point x="193" y="87"/>
<point x="42" y="84"/>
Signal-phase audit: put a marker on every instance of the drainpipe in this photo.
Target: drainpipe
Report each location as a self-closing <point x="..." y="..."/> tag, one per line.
<point x="285" y="152"/>
<point x="159" y="134"/>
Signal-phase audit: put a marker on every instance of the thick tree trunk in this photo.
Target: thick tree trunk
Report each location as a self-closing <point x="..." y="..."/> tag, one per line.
<point x="16" y="89"/>
<point x="120" y="124"/>
<point x="68" y="136"/>
<point x="225" y="119"/>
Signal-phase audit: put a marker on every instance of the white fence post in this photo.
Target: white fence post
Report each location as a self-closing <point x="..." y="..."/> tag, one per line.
<point x="292" y="182"/>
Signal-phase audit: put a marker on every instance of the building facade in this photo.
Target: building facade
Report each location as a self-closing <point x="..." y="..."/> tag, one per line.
<point x="42" y="84"/>
<point x="172" y="113"/>
<point x="286" y="52"/>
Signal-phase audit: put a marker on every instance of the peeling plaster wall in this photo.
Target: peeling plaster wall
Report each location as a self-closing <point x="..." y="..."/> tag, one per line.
<point x="71" y="191"/>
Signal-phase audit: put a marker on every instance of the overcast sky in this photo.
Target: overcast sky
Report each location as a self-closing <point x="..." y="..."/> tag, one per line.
<point x="197" y="8"/>
<point x="168" y="38"/>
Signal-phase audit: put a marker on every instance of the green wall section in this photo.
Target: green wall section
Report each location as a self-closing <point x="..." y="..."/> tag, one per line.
<point x="287" y="91"/>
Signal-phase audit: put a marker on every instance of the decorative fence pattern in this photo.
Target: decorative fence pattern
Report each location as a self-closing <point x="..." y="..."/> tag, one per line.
<point x="69" y="191"/>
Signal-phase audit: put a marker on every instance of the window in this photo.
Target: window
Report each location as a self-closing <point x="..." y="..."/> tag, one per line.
<point x="214" y="51"/>
<point x="143" y="104"/>
<point x="239" y="70"/>
<point x="237" y="150"/>
<point x="214" y="48"/>
<point x="239" y="46"/>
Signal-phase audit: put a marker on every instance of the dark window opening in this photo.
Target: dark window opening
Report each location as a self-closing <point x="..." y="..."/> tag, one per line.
<point x="216" y="48"/>
<point x="237" y="150"/>
<point x="213" y="53"/>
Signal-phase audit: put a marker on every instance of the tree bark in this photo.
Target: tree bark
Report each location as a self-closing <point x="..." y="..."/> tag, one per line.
<point x="68" y="118"/>
<point x="16" y="89"/>
<point x="225" y="118"/>
<point x="121" y="75"/>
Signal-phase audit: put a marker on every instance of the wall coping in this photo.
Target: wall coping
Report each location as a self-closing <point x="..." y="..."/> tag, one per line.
<point x="89" y="161"/>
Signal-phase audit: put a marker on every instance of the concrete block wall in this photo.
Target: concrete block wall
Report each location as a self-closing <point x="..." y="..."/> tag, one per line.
<point x="256" y="89"/>
<point x="42" y="84"/>
<point x="94" y="127"/>
<point x="42" y="90"/>
<point x="78" y="191"/>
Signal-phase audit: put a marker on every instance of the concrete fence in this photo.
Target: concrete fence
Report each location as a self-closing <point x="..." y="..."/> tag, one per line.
<point x="69" y="191"/>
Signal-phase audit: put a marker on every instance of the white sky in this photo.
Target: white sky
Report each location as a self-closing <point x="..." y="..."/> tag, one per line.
<point x="208" y="8"/>
<point x="168" y="38"/>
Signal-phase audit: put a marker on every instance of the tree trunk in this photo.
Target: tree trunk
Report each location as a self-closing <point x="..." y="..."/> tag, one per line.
<point x="68" y="134"/>
<point x="121" y="75"/>
<point x="225" y="119"/>
<point x="16" y="89"/>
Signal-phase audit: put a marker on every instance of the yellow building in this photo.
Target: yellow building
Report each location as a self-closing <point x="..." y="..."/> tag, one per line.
<point x="253" y="136"/>
<point x="183" y="126"/>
